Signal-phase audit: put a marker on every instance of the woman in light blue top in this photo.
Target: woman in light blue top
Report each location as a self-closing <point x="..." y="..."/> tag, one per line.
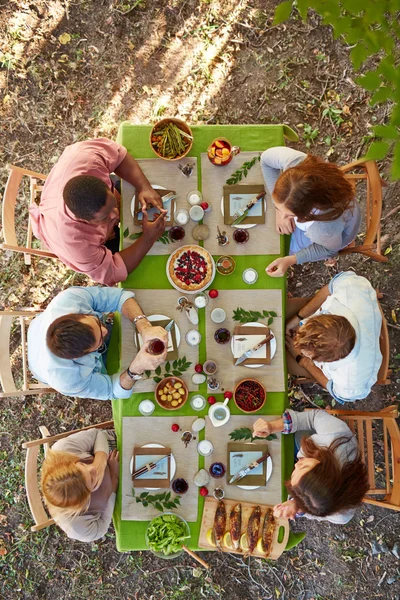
<point x="314" y="203"/>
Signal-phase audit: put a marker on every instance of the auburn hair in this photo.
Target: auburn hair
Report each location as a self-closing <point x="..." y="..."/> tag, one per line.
<point x="69" y="337"/>
<point x="326" y="337"/>
<point x="63" y="485"/>
<point x="329" y="486"/>
<point x="314" y="185"/>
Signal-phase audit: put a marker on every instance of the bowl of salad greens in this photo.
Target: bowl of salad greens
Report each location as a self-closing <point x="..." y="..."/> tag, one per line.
<point x="165" y="535"/>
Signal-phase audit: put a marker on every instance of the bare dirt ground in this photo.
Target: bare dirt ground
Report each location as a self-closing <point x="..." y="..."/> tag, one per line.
<point x="206" y="61"/>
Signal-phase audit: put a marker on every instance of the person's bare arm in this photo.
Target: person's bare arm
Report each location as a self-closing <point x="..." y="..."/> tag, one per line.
<point x="308" y="309"/>
<point x="130" y="171"/>
<point x="133" y="255"/>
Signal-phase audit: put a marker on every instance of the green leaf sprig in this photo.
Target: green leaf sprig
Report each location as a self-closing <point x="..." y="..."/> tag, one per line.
<point x="245" y="433"/>
<point x="164" y="239"/>
<point x="247" y="316"/>
<point x="159" y="501"/>
<point x="242" y="171"/>
<point x="176" y="368"/>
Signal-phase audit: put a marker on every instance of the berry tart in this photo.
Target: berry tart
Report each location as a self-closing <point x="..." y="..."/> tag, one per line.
<point x="190" y="268"/>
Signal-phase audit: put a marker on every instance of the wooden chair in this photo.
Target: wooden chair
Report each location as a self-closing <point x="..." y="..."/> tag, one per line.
<point x="294" y="305"/>
<point x="8" y="212"/>
<point x="6" y="377"/>
<point x="361" y="423"/>
<point x="372" y="243"/>
<point x="33" y="494"/>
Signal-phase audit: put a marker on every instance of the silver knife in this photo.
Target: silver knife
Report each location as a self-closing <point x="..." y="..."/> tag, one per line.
<point x="248" y="353"/>
<point x="169" y="326"/>
<point x="250" y="467"/>
<point x="150" y="467"/>
<point x="241" y="212"/>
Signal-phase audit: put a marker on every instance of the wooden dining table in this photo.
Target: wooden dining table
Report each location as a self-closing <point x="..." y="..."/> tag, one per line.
<point x="157" y="296"/>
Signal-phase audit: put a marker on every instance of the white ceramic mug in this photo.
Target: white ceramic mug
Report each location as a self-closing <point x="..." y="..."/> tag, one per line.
<point x="219" y="413"/>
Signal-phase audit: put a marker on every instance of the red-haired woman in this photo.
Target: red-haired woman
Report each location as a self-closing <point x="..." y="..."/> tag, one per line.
<point x="329" y="479"/>
<point x="314" y="203"/>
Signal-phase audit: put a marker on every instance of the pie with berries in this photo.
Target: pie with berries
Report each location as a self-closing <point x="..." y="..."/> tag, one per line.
<point x="190" y="268"/>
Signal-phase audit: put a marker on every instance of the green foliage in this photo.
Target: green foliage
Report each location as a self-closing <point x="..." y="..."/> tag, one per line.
<point x="242" y="171"/>
<point x="245" y="433"/>
<point x="310" y="134"/>
<point x="176" y="368"/>
<point x="247" y="316"/>
<point x="371" y="28"/>
<point x="159" y="501"/>
<point x="164" y="239"/>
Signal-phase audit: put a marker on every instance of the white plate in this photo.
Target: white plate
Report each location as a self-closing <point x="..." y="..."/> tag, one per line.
<point x="155" y="187"/>
<point x="153" y="318"/>
<point x="240" y="225"/>
<point x="272" y="344"/>
<point x="172" y="459"/>
<point x="269" y="473"/>
<point x="199" y="289"/>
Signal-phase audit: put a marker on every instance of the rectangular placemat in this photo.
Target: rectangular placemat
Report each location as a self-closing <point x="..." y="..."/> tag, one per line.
<point x="243" y="331"/>
<point x="271" y="493"/>
<point x="164" y="303"/>
<point x="241" y="195"/>
<point x="137" y="431"/>
<point x="166" y="174"/>
<point x="272" y="375"/>
<point x="151" y="478"/>
<point x="263" y="238"/>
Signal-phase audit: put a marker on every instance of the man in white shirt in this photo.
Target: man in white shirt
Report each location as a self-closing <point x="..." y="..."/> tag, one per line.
<point x="66" y="343"/>
<point x="335" y="337"/>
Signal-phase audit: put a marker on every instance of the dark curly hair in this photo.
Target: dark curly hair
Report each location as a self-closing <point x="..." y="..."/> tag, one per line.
<point x="85" y="195"/>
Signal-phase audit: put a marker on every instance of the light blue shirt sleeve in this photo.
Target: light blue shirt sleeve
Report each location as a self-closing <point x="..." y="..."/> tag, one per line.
<point x="278" y="159"/>
<point x="84" y="300"/>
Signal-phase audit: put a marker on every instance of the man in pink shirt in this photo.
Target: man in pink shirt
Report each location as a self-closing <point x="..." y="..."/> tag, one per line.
<point x="79" y="210"/>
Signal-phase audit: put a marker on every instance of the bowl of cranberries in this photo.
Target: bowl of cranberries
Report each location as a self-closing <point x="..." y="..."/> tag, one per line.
<point x="249" y="395"/>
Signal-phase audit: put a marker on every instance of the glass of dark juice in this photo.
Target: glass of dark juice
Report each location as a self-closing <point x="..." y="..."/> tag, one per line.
<point x="156" y="347"/>
<point x="217" y="470"/>
<point x="176" y="233"/>
<point x="180" y="486"/>
<point x="241" y="236"/>
<point x="222" y="335"/>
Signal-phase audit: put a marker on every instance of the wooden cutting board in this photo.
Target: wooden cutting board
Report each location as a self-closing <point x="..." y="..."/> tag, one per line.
<point x="207" y="522"/>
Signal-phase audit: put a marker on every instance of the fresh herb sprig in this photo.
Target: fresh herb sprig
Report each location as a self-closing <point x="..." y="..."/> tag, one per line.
<point x="245" y="433"/>
<point x="247" y="316"/>
<point x="159" y="501"/>
<point x="242" y="171"/>
<point x="176" y="368"/>
<point x="164" y="239"/>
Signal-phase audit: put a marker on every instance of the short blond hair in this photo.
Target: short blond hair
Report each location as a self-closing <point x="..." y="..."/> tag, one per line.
<point x="63" y="485"/>
<point x="326" y="337"/>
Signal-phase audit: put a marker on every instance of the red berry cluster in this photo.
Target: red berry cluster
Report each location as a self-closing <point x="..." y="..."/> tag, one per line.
<point x="191" y="267"/>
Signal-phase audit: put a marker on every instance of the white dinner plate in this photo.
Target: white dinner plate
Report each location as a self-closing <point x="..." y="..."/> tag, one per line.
<point x="155" y="187"/>
<point x="172" y="467"/>
<point x="272" y="344"/>
<point x="199" y="289"/>
<point x="240" y="225"/>
<point x="153" y="318"/>
<point x="269" y="473"/>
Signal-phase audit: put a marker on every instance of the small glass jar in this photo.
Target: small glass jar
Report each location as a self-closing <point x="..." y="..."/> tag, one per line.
<point x="194" y="197"/>
<point x="198" y="402"/>
<point x="250" y="276"/>
<point x="200" y="300"/>
<point x="210" y="367"/>
<point x="193" y="337"/>
<point x="146" y="408"/>
<point x="181" y="216"/>
<point x="205" y="448"/>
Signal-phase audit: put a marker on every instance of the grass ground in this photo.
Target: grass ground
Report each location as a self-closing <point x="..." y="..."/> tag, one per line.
<point x="73" y="70"/>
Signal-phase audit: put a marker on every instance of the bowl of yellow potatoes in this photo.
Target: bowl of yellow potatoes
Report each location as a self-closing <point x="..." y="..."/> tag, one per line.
<point x="171" y="393"/>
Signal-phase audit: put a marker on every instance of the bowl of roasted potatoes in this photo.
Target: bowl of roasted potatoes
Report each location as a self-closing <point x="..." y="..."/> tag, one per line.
<point x="171" y="393"/>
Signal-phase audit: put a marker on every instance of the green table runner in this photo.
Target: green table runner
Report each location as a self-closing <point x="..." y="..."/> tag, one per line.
<point x="130" y="534"/>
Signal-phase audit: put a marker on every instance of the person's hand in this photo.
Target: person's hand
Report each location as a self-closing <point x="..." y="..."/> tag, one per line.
<point x="287" y="510"/>
<point x="149" y="197"/>
<point x="144" y="361"/>
<point x="155" y="229"/>
<point x="289" y="343"/>
<point x="150" y="333"/>
<point x="291" y="325"/>
<point x="113" y="465"/>
<point x="279" y="266"/>
<point x="262" y="428"/>
<point x="283" y="225"/>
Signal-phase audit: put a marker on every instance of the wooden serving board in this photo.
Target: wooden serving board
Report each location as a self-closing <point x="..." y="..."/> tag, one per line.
<point x="207" y="522"/>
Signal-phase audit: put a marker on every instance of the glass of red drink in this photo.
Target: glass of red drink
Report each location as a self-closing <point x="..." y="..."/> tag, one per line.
<point x="180" y="486"/>
<point x="217" y="470"/>
<point x="241" y="236"/>
<point x="220" y="152"/>
<point x="176" y="233"/>
<point x="156" y="347"/>
<point x="222" y="335"/>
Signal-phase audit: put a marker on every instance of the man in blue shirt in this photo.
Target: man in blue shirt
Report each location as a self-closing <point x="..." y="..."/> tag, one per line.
<point x="66" y="341"/>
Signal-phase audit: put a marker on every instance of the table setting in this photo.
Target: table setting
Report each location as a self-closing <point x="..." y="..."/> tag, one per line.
<point x="225" y="365"/>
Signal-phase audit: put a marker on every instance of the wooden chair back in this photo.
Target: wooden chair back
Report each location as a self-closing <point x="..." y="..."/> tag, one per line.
<point x="7" y="381"/>
<point x="36" y="504"/>
<point x="8" y="212"/>
<point x="370" y="174"/>
<point x="294" y="305"/>
<point x="361" y="423"/>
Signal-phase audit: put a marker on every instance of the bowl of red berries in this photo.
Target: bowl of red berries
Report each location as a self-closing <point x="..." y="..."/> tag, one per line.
<point x="249" y="395"/>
